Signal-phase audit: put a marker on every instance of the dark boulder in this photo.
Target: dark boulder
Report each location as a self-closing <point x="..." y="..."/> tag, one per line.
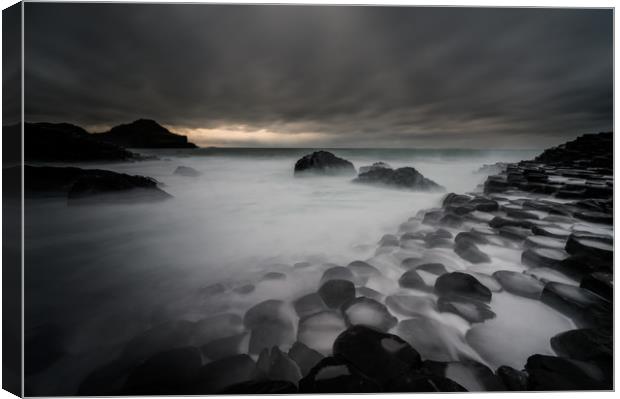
<point x="550" y="373"/>
<point x="593" y="245"/>
<point x="451" y="220"/>
<point x="472" y="236"/>
<point x="323" y="163"/>
<point x="452" y="200"/>
<point x="462" y="284"/>
<point x="407" y="177"/>
<point x="411" y="279"/>
<point x="595" y="217"/>
<point x="379" y="357"/>
<point x="336" y="292"/>
<point x="587" y="344"/>
<point x="309" y="304"/>
<point x="599" y="283"/>
<point x="584" y="307"/>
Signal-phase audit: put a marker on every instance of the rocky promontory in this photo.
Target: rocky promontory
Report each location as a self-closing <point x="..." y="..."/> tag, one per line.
<point x="86" y="186"/>
<point x="144" y="133"/>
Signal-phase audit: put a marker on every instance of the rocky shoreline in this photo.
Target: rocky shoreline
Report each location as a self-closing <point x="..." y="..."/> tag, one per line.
<point x="538" y="233"/>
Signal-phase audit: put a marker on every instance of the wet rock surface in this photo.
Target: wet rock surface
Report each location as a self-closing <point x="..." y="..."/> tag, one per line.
<point x="506" y="288"/>
<point x="408" y="178"/>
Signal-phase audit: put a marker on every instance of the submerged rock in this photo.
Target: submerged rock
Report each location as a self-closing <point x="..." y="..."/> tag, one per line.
<point x="400" y="178"/>
<point x="519" y="283"/>
<point x="543" y="257"/>
<point x="186" y="171"/>
<point x="271" y="324"/>
<point x="471" y="310"/>
<point x="363" y="270"/>
<point x="309" y="304"/>
<point x="467" y="249"/>
<point x="432" y="339"/>
<point x="410" y="305"/>
<point x="323" y="163"/>
<point x="319" y="331"/>
<point x="368" y="312"/>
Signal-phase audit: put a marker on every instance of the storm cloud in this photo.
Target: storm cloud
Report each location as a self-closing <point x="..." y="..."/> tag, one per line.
<point x="331" y="76"/>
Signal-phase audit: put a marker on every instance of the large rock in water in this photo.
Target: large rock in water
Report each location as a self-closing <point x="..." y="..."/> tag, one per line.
<point x="90" y="185"/>
<point x="144" y="133"/>
<point x="401" y="178"/>
<point x="378" y="356"/>
<point x="323" y="163"/>
<point x="63" y="142"/>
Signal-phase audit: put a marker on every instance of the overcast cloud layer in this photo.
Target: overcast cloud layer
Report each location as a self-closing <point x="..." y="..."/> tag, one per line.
<point x="341" y="76"/>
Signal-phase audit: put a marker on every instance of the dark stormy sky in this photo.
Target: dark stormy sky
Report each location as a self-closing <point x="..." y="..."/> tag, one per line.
<point x="325" y="76"/>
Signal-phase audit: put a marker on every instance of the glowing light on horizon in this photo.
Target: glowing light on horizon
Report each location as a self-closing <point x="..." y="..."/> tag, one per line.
<point x="240" y="135"/>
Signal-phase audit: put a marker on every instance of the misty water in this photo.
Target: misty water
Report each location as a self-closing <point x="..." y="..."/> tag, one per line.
<point x="104" y="274"/>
